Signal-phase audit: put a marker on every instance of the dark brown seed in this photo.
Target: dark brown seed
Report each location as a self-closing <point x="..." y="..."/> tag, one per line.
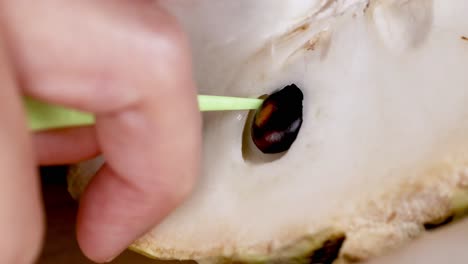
<point x="329" y="252"/>
<point x="438" y="223"/>
<point x="278" y="121"/>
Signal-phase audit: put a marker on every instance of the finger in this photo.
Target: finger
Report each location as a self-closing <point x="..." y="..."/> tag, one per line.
<point x="131" y="65"/>
<point x="65" y="146"/>
<point x="21" y="217"/>
<point x="97" y="66"/>
<point x="152" y="154"/>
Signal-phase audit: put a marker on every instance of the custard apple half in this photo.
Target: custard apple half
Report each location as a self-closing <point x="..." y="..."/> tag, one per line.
<point x="382" y="154"/>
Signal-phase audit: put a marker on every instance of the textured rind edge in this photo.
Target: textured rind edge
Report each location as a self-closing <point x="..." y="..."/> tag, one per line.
<point x="322" y="247"/>
<point x="299" y="251"/>
<point x="456" y="208"/>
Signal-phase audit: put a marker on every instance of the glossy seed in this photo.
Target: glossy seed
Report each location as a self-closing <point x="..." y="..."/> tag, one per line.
<point x="277" y="123"/>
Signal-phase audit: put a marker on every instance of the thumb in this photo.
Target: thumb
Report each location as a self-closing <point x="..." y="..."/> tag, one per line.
<point x="128" y="62"/>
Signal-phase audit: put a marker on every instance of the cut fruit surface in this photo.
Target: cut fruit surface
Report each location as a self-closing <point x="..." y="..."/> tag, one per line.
<point x="383" y="148"/>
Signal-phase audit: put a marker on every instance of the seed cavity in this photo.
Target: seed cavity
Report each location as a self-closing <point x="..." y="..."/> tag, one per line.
<point x="277" y="123"/>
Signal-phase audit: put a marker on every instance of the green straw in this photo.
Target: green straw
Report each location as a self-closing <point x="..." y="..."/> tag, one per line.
<point x="43" y="116"/>
<point x="224" y="103"/>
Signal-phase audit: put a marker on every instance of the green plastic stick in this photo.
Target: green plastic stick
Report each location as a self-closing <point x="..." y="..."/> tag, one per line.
<point x="42" y="116"/>
<point x="224" y="103"/>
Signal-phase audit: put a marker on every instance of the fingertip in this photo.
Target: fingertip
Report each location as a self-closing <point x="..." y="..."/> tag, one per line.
<point x="114" y="212"/>
<point x="98" y="230"/>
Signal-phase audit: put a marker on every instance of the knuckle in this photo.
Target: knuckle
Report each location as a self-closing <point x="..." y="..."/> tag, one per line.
<point x="170" y="32"/>
<point x="171" y="43"/>
<point x="177" y="192"/>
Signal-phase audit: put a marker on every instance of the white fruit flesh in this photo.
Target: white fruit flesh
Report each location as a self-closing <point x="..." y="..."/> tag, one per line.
<point x="384" y="138"/>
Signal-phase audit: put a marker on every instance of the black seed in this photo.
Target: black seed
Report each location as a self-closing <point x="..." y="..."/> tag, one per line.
<point x="438" y="223"/>
<point x="329" y="252"/>
<point x="278" y="121"/>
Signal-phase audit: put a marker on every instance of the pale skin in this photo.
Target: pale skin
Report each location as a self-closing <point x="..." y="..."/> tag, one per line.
<point x="126" y="61"/>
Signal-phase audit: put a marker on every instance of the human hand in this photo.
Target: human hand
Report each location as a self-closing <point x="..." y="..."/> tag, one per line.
<point x="127" y="62"/>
